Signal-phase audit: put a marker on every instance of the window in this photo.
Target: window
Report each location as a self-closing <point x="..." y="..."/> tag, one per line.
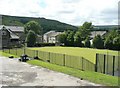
<point x="3" y="32"/>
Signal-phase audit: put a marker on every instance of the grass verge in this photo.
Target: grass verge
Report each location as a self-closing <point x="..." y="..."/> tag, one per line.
<point x="7" y="55"/>
<point x="95" y="77"/>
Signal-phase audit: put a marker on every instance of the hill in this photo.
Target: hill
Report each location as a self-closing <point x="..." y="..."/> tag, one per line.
<point x="47" y="24"/>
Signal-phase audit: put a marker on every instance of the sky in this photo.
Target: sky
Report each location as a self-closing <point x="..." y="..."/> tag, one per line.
<point x="75" y="12"/>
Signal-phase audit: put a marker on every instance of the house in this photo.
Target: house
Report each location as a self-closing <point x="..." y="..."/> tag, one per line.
<point x="95" y="33"/>
<point x="11" y="35"/>
<point x="51" y="37"/>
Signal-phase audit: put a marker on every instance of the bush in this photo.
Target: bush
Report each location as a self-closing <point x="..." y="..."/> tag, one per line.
<point x="98" y="42"/>
<point x="44" y="44"/>
<point x="77" y="40"/>
<point x="87" y="43"/>
<point x="70" y="39"/>
<point x="116" y="43"/>
<point x="108" y="44"/>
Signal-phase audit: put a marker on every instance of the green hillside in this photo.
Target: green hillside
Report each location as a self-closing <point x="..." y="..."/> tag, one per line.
<point x="46" y="24"/>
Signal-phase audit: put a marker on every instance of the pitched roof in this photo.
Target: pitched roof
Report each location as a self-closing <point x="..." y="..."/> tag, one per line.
<point x="94" y="33"/>
<point x="52" y="33"/>
<point x="12" y="35"/>
<point x="13" y="28"/>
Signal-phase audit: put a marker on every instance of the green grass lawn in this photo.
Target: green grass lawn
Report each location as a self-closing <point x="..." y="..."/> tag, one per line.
<point x="87" y="53"/>
<point x="95" y="77"/>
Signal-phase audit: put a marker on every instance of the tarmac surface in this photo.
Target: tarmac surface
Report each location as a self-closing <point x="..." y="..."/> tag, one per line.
<point x="15" y="73"/>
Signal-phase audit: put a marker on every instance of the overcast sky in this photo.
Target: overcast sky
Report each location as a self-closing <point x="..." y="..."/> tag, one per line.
<point x="75" y="12"/>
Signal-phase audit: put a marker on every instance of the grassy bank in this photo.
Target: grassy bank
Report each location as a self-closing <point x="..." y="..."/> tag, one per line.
<point x="86" y="75"/>
<point x="7" y="54"/>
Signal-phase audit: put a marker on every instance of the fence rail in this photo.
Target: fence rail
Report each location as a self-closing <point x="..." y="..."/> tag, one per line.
<point x="106" y="64"/>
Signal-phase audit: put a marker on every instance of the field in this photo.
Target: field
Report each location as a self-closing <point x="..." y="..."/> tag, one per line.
<point x="87" y="53"/>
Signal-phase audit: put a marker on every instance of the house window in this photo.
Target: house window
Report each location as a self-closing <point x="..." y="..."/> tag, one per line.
<point x="4" y="33"/>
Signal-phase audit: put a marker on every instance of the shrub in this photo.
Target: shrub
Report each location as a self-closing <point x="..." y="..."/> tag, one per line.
<point x="108" y="44"/>
<point x="116" y="43"/>
<point x="70" y="39"/>
<point x="98" y="42"/>
<point x="77" y="40"/>
<point x="44" y="44"/>
<point x="87" y="43"/>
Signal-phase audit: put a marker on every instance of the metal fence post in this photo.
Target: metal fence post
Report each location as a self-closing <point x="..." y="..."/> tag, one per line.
<point x="37" y="53"/>
<point x="3" y="49"/>
<point x="49" y="56"/>
<point x="63" y="59"/>
<point x="104" y="64"/>
<point x="9" y="50"/>
<point x="82" y="64"/>
<point x="16" y="51"/>
<point x="96" y="68"/>
<point x="113" y="65"/>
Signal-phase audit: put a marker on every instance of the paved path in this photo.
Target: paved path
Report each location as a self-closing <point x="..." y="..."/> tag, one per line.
<point x="15" y="73"/>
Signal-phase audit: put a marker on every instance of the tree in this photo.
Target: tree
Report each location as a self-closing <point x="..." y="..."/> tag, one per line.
<point x="31" y="38"/>
<point x="116" y="43"/>
<point x="85" y="30"/>
<point x="108" y="44"/>
<point x="87" y="42"/>
<point x="62" y="38"/>
<point x="98" y="42"/>
<point x="111" y="38"/>
<point x="34" y="26"/>
<point x="70" y="39"/>
<point x="77" y="40"/>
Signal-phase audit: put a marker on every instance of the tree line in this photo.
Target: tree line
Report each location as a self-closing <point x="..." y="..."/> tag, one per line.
<point x="81" y="38"/>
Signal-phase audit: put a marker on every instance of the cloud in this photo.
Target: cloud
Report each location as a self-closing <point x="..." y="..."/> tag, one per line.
<point x="69" y="11"/>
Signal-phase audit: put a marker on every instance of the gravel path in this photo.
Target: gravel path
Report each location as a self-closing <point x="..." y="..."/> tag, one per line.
<point x="15" y="73"/>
